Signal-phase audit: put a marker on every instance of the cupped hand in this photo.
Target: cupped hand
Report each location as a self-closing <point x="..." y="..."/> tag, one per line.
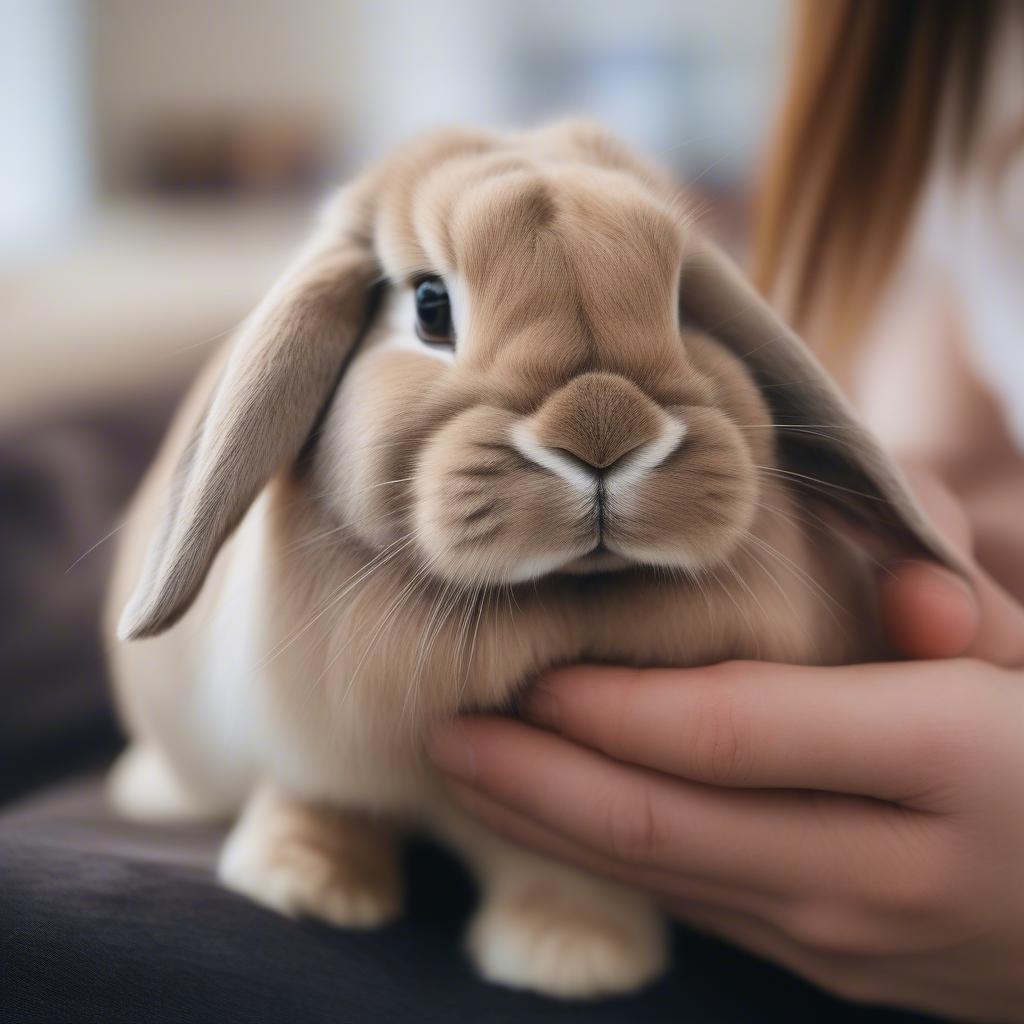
<point x="862" y="825"/>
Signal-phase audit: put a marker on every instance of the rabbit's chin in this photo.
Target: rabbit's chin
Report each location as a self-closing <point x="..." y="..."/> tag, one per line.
<point x="603" y="560"/>
<point x="600" y="560"/>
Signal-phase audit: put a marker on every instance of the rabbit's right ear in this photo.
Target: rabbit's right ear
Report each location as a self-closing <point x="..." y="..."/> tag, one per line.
<point x="279" y="374"/>
<point x="823" y="445"/>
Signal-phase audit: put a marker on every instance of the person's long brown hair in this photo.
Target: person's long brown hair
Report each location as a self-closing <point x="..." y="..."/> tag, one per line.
<point x="869" y="80"/>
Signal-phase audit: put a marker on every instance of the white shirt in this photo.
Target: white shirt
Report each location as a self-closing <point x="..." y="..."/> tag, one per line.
<point x="971" y="228"/>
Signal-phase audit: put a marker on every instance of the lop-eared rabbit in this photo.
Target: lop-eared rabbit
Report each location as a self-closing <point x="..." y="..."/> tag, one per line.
<point x="509" y="409"/>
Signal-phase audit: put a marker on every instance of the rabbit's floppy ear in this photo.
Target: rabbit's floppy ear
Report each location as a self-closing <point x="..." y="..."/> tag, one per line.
<point x="823" y="447"/>
<point x="279" y="374"/>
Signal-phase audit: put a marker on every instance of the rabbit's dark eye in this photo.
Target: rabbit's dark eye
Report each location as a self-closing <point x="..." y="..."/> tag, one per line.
<point x="434" y="313"/>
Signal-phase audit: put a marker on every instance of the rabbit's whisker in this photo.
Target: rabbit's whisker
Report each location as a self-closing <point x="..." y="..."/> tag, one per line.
<point x="817" y="481"/>
<point x="440" y="610"/>
<point x="117" y="529"/>
<point x="787" y="599"/>
<point x="828" y="602"/>
<point x="405" y="594"/>
<point x="349" y="528"/>
<point x="382" y="557"/>
<point x="404" y="597"/>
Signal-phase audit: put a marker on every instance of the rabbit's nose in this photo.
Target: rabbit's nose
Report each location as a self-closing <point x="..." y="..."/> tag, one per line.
<point x="598" y="419"/>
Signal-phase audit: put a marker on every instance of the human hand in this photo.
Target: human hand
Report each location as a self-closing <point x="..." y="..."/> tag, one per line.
<point x="861" y="825"/>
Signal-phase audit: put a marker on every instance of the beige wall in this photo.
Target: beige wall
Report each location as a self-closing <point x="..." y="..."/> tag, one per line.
<point x="151" y="58"/>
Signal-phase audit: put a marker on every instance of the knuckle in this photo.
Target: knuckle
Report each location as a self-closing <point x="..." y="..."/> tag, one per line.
<point x="926" y="893"/>
<point x="719" y="746"/>
<point x="621" y="714"/>
<point x="829" y="929"/>
<point x="631" y="830"/>
<point x="896" y="920"/>
<point x="920" y="893"/>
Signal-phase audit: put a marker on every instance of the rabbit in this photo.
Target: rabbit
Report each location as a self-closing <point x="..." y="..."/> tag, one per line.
<point x="508" y="409"/>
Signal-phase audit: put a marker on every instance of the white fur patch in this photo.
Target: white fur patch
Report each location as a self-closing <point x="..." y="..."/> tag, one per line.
<point x="639" y="462"/>
<point x="626" y="473"/>
<point x="562" y="465"/>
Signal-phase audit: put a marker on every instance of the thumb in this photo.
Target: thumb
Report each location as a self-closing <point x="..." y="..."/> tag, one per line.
<point x="930" y="612"/>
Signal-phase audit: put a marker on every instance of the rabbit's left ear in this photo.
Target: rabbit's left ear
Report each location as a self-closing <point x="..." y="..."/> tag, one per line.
<point x="823" y="447"/>
<point x="279" y="375"/>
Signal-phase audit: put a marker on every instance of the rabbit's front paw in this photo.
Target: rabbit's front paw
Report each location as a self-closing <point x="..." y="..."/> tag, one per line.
<point x="563" y="945"/>
<point x="306" y="862"/>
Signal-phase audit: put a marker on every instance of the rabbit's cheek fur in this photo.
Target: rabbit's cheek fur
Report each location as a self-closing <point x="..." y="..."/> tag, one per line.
<point x="692" y="510"/>
<point x="371" y="441"/>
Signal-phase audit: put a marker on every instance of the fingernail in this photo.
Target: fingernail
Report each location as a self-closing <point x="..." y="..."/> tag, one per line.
<point x="540" y="706"/>
<point x="452" y="751"/>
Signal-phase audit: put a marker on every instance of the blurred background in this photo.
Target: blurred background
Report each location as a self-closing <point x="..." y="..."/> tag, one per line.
<point x="162" y="157"/>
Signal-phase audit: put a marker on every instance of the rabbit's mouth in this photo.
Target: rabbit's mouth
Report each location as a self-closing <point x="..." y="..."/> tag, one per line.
<point x="600" y="558"/>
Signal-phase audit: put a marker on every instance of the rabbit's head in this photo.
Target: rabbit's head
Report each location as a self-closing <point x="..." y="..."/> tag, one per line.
<point x="510" y="356"/>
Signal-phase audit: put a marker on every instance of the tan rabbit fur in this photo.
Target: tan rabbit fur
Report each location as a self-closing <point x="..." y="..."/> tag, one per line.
<point x="625" y="457"/>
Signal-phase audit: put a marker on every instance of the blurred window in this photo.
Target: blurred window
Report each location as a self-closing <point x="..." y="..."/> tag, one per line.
<point x="44" y="170"/>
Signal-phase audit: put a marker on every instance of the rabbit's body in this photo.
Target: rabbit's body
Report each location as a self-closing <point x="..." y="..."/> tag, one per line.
<point x="426" y="547"/>
<point x="333" y="695"/>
